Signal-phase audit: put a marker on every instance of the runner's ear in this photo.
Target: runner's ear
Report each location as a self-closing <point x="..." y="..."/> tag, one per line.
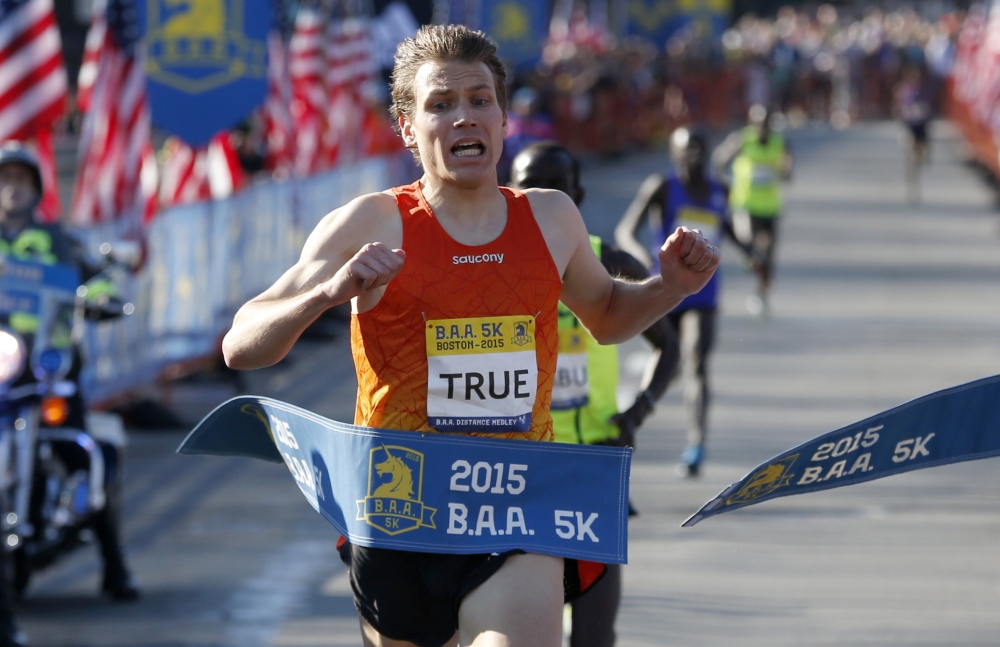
<point x="406" y="130"/>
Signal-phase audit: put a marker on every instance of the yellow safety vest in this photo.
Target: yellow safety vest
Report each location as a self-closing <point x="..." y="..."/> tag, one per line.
<point x="757" y="174"/>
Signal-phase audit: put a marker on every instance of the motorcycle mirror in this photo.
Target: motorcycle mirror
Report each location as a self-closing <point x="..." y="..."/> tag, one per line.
<point x="125" y="252"/>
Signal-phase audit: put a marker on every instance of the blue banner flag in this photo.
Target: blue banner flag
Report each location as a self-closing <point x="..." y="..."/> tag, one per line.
<point x="205" y="61"/>
<point x="958" y="424"/>
<point x="519" y="27"/>
<point x="659" y="20"/>
<point x="435" y="493"/>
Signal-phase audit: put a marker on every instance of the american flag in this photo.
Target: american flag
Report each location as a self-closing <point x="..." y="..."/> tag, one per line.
<point x="32" y="83"/>
<point x="307" y="69"/>
<point x="117" y="175"/>
<point x="350" y="64"/>
<point x="192" y="175"/>
<point x="277" y="116"/>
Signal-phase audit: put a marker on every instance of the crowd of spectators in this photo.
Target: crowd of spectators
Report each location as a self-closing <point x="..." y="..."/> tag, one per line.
<point x="807" y="63"/>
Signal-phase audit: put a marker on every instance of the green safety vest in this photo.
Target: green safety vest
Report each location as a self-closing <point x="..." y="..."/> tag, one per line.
<point x="36" y="245"/>
<point x="30" y="245"/>
<point x="757" y="174"/>
<point x="589" y="424"/>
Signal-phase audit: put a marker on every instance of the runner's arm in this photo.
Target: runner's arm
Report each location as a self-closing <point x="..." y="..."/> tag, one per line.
<point x="651" y="194"/>
<point x="725" y="152"/>
<point x="337" y="264"/>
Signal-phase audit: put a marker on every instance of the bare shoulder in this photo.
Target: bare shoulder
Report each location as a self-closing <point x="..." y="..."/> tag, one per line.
<point x="369" y="218"/>
<point x="560" y="222"/>
<point x="549" y="204"/>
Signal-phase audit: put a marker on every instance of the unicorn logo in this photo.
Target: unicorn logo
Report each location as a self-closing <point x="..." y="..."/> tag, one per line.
<point x="511" y="22"/>
<point x="199" y="45"/>
<point x="395" y="480"/>
<point x="400" y="485"/>
<point x="765" y="481"/>
<point x="521" y="336"/>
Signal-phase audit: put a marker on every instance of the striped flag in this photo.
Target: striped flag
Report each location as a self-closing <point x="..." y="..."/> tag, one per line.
<point x="32" y="84"/>
<point x="117" y="172"/>
<point x="278" y="132"/>
<point x="191" y="175"/>
<point x="350" y="64"/>
<point x="307" y="68"/>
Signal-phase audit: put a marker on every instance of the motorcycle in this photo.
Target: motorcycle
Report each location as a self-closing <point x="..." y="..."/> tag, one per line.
<point x="52" y="467"/>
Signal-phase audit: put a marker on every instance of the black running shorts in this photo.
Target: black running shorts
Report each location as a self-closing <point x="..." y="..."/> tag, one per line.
<point x="416" y="596"/>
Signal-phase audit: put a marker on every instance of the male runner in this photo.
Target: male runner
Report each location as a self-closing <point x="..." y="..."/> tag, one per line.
<point x="760" y="159"/>
<point x="584" y="396"/>
<point x="687" y="196"/>
<point x="912" y="107"/>
<point x="454" y="245"/>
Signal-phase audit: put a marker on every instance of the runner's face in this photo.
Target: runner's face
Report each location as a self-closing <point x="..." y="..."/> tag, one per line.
<point x="17" y="188"/>
<point x="457" y="126"/>
<point x="546" y="171"/>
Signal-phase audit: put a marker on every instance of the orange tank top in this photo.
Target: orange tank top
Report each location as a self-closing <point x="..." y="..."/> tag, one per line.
<point x="454" y="304"/>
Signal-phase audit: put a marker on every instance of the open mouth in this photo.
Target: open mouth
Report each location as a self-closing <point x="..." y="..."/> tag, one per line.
<point x="468" y="149"/>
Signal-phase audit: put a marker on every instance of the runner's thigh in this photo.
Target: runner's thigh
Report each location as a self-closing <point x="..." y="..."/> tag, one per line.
<point x="520" y="606"/>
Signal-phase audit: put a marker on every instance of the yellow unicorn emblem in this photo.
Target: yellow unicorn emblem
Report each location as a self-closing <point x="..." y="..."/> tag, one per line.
<point x="765" y="481"/>
<point x="395" y="506"/>
<point x="200" y="45"/>
<point x="650" y="15"/>
<point x="511" y="22"/>
<point x="400" y="486"/>
<point x="196" y="19"/>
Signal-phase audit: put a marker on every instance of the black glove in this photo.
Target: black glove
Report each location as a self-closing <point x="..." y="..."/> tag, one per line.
<point x="628" y="421"/>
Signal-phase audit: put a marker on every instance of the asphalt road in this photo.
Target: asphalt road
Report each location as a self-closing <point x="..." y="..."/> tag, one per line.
<point x="876" y="302"/>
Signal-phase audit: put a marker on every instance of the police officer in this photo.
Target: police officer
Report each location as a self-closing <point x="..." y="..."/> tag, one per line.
<point x="584" y="404"/>
<point x="760" y="159"/>
<point x="685" y="195"/>
<point x="22" y="237"/>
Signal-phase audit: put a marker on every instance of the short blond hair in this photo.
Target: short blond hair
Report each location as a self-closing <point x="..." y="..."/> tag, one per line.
<point x="442" y="43"/>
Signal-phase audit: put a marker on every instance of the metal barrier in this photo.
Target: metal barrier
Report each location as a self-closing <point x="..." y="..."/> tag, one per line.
<point x="204" y="261"/>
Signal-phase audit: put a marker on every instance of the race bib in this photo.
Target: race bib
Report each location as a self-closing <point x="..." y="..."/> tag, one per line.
<point x="696" y="218"/>
<point x="763" y="175"/>
<point x="482" y="373"/>
<point x="571" y="389"/>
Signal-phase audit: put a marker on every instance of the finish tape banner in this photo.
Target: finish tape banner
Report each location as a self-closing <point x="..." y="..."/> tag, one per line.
<point x="435" y="493"/>
<point x="958" y="424"/>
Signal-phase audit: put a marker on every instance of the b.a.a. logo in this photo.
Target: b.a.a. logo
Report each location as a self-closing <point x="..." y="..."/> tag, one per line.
<point x="395" y="484"/>
<point x="765" y="481"/>
<point x="199" y="45"/>
<point x="522" y="332"/>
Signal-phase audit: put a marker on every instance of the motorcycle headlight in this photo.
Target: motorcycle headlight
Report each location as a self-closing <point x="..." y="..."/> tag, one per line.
<point x="12" y="356"/>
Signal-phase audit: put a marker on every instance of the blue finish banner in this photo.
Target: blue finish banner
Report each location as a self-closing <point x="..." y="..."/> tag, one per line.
<point x="431" y="492"/>
<point x="206" y="63"/>
<point x="958" y="424"/>
<point x="519" y="27"/>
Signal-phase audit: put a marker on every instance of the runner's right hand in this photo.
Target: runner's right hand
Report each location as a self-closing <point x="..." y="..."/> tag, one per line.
<point x="371" y="268"/>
